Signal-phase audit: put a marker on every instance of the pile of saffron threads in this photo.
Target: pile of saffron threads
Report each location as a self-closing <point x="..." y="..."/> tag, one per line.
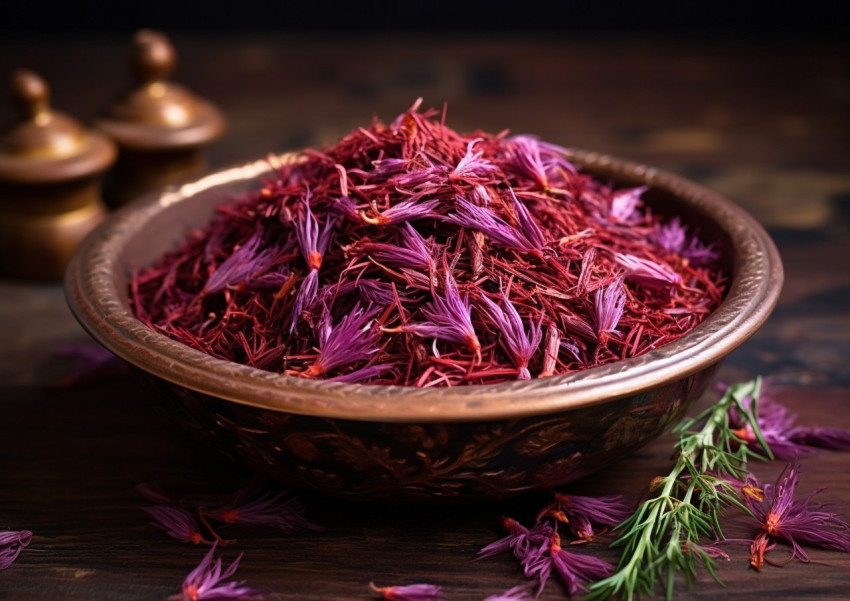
<point x="410" y="254"/>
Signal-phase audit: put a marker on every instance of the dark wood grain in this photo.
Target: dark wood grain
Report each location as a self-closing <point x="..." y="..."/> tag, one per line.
<point x="766" y="124"/>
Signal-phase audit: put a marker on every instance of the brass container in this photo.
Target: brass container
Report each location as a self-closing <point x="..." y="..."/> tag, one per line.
<point x="410" y="444"/>
<point x="160" y="126"/>
<point x="49" y="184"/>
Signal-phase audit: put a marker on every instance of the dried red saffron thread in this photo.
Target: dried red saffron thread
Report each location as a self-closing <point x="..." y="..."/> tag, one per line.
<point x="461" y="250"/>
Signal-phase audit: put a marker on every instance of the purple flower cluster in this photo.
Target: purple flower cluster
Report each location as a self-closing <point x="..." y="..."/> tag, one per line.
<point x="673" y="237"/>
<point x="12" y="542"/>
<point x="518" y="343"/>
<point x="449" y="317"/>
<point x="539" y="548"/>
<point x="526" y="237"/>
<point x="207" y="582"/>
<point x="646" y="272"/>
<point x="610" y="301"/>
<point x="251" y="504"/>
<point x="785" y="439"/>
<point x="313" y="244"/>
<point x="580" y="513"/>
<point x="351" y="340"/>
<point x="796" y="521"/>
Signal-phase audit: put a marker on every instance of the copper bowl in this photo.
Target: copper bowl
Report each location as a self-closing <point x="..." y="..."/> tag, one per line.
<point x="402" y="443"/>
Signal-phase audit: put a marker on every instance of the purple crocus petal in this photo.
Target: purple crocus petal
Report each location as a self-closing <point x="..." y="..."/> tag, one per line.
<point x="487" y="222"/>
<point x="671" y="236"/>
<point x="526" y="160"/>
<point x="245" y="262"/>
<point x="577" y="570"/>
<point x="206" y="582"/>
<point x="647" y="273"/>
<point x="177" y="522"/>
<point x="610" y="302"/>
<point x="351" y="340"/>
<point x="389" y="166"/>
<point x="836" y="439"/>
<point x="12" y="542"/>
<point x="472" y="166"/>
<point x="304" y="297"/>
<point x="312" y="241"/>
<point x="410" y="592"/>
<point x="582" y="512"/>
<point x="313" y="244"/>
<point x="517" y="343"/>
<point x="624" y="204"/>
<point x="252" y="504"/>
<point x="428" y="178"/>
<point x="785" y="440"/>
<point x="407" y="210"/>
<point x="347" y="208"/>
<point x="448" y="317"/>
<point x="413" y="251"/>
<point x="526" y="223"/>
<point x="516" y="540"/>
<point x="700" y="254"/>
<point x="370" y="372"/>
<point x="529" y="545"/>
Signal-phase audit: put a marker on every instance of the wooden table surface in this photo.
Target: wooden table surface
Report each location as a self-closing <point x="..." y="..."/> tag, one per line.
<point x="765" y="122"/>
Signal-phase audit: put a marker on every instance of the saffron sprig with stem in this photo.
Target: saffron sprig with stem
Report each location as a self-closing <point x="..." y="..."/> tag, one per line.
<point x="662" y="537"/>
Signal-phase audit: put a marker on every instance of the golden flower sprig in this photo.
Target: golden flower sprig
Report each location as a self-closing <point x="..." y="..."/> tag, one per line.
<point x="663" y="536"/>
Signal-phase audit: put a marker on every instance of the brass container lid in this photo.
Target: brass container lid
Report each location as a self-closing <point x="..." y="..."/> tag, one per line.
<point x="156" y="114"/>
<point x="47" y="146"/>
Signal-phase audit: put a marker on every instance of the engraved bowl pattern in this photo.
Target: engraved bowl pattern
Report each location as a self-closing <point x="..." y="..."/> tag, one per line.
<point x="403" y="443"/>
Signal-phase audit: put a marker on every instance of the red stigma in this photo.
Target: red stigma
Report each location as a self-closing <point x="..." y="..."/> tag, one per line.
<point x="314" y="260"/>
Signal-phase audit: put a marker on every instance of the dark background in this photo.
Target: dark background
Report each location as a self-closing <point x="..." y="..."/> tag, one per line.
<point x="780" y="19"/>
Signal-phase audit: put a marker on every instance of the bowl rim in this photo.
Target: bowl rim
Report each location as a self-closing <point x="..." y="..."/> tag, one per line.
<point x="95" y="301"/>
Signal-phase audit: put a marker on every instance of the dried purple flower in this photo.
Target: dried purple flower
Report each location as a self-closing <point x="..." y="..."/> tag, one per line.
<point x="610" y="303"/>
<point x="517" y="343"/>
<point x="647" y="273"/>
<point x="413" y="250"/>
<point x="351" y="340"/>
<point x="496" y="228"/>
<point x="624" y="204"/>
<point x="406" y="210"/>
<point x="205" y="583"/>
<point x="409" y="592"/>
<point x="448" y="318"/>
<point x="12" y="542"/>
<point x="252" y="505"/>
<point x="526" y="223"/>
<point x="576" y="570"/>
<point x="344" y="205"/>
<point x="313" y="244"/>
<point x="246" y="261"/>
<point x="177" y="522"/>
<point x="370" y="373"/>
<point x="785" y="440"/>
<point x="672" y="236"/>
<point x="581" y="512"/>
<point x="795" y="521"/>
<point x="529" y="545"/>
<point x="472" y="167"/>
